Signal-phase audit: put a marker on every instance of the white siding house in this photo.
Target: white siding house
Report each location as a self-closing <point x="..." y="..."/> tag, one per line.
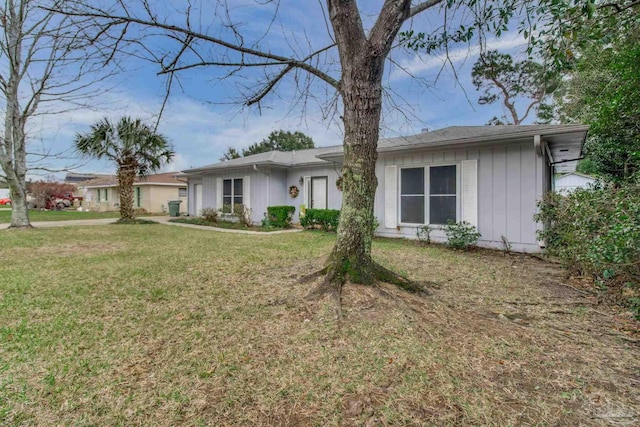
<point x="489" y="176"/>
<point x="571" y="181"/>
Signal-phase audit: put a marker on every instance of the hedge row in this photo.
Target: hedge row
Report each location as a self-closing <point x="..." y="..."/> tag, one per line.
<point x="326" y="219"/>
<point x="597" y="232"/>
<point x="280" y="216"/>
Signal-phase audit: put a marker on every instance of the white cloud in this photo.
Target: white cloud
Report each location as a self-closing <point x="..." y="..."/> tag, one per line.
<point x="199" y="132"/>
<point x="417" y="64"/>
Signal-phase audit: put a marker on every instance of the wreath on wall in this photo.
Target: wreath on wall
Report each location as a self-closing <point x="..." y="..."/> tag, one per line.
<point x="293" y="191"/>
<point x="339" y="183"/>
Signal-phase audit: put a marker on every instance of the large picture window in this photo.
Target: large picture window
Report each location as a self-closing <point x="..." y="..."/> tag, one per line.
<point x="429" y="195"/>
<point x="231" y="194"/>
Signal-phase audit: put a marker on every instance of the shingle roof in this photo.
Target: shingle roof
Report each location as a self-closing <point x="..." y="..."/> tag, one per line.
<point x="159" y="178"/>
<point x="273" y="158"/>
<point x="452" y="135"/>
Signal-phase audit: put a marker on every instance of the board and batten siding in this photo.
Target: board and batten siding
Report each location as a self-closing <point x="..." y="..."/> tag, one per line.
<point x="510" y="181"/>
<point x="256" y="188"/>
<point x="294" y="175"/>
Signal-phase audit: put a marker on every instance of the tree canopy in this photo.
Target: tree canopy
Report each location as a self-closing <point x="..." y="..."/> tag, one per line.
<point x="502" y="79"/>
<point x="602" y="91"/>
<point x="133" y="146"/>
<point x="278" y="140"/>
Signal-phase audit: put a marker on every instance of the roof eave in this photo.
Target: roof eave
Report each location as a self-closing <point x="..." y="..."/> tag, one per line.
<point x="222" y="167"/>
<point x="490" y="139"/>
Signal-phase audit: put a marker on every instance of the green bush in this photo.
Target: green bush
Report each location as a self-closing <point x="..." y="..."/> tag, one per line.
<point x="209" y="215"/>
<point x="326" y="219"/>
<point x="461" y="235"/>
<point x="596" y="231"/>
<point x="280" y="216"/>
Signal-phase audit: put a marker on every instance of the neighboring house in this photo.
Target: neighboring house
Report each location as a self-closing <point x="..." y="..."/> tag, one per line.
<point x="489" y="176"/>
<point x="78" y="178"/>
<point x="571" y="181"/>
<point x="151" y="193"/>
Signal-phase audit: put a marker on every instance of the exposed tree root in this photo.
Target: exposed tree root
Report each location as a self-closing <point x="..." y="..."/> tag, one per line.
<point x="311" y="277"/>
<point x="334" y="279"/>
<point x="20" y="227"/>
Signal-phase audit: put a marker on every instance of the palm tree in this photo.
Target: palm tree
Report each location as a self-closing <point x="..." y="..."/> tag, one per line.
<point x="135" y="148"/>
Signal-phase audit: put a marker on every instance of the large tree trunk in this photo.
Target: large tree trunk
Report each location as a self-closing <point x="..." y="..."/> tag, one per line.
<point x="13" y="157"/>
<point x="126" y="178"/>
<point x="19" y="205"/>
<point x="362" y="59"/>
<point x="362" y="97"/>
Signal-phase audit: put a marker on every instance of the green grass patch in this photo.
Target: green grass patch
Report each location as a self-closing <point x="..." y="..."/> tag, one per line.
<point x="39" y="215"/>
<point x="223" y="224"/>
<point x="160" y="325"/>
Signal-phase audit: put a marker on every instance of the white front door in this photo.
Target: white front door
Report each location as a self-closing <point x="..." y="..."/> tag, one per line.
<point x="198" y="197"/>
<point x="319" y="192"/>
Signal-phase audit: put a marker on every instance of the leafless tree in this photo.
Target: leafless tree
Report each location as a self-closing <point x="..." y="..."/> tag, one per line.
<point x="47" y="64"/>
<point x="205" y="35"/>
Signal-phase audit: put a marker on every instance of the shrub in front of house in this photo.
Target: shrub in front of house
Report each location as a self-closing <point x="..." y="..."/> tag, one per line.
<point x="596" y="232"/>
<point x="280" y="216"/>
<point x="461" y="235"/>
<point x="325" y="219"/>
<point x="209" y="215"/>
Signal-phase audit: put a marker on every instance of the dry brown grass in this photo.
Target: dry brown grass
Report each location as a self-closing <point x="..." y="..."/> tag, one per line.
<point x="159" y="325"/>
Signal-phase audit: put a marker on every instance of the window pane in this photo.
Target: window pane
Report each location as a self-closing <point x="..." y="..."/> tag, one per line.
<point x="226" y="187"/>
<point x="442" y="209"/>
<point x="237" y="187"/>
<point x="442" y="179"/>
<point x="412" y="209"/>
<point x="412" y="181"/>
<point x="226" y="204"/>
<point x="182" y="192"/>
<point x="237" y="200"/>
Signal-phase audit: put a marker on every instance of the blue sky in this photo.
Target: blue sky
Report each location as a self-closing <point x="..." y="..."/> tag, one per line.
<point x="201" y="119"/>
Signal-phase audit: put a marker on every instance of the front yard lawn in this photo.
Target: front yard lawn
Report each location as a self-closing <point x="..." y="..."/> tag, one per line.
<point x="39" y="215"/>
<point x="160" y="325"/>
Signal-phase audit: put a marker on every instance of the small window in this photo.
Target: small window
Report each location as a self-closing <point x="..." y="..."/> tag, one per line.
<point x="106" y="194"/>
<point x="138" y="191"/>
<point x="231" y="194"/>
<point x="182" y="192"/>
<point x="443" y="194"/>
<point x="412" y="196"/>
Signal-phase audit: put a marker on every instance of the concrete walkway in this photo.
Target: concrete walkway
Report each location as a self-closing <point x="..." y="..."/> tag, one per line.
<point x="230" y="230"/>
<point x="160" y="219"/>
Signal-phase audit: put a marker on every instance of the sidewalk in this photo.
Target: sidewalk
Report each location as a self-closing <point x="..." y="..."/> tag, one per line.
<point x="160" y="219"/>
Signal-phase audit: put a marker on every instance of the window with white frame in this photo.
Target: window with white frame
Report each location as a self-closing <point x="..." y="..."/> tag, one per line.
<point x="429" y="195"/>
<point x="412" y="195"/>
<point x="443" y="194"/>
<point x="231" y="194"/>
<point x="182" y="192"/>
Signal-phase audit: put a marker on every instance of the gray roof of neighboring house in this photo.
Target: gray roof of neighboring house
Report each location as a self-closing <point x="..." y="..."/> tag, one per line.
<point x="167" y="178"/>
<point x="272" y="158"/>
<point x="569" y="135"/>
